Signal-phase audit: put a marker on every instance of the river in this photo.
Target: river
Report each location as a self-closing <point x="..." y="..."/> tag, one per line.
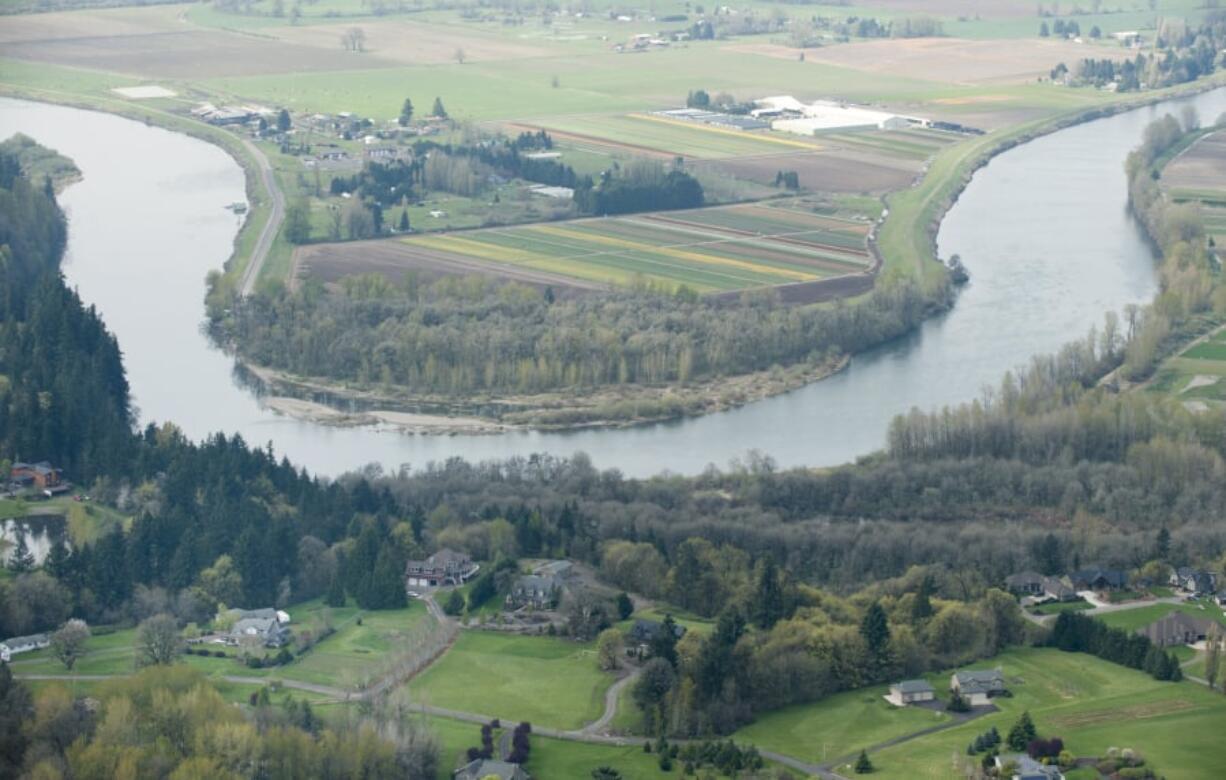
<point x="1043" y="229"/>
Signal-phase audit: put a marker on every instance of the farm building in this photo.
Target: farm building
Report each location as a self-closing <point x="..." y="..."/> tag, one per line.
<point x="977" y="687"/>
<point x="22" y="644"/>
<point x="445" y="567"/>
<point x="910" y="691"/>
<point x="789" y="115"/>
<point x="1176" y="628"/>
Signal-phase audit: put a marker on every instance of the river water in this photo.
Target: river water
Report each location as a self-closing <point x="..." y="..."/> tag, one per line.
<point x="1043" y="229"/>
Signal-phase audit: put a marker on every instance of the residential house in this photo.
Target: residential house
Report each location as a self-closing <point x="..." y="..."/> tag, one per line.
<point x="1176" y="628"/>
<point x="1029" y="583"/>
<point x="1098" y="579"/>
<point x="22" y="644"/>
<point x="1195" y="581"/>
<point x="268" y="627"/>
<point x="978" y="687"/>
<point x="644" y="632"/>
<point x="41" y="475"/>
<point x="555" y="569"/>
<point x="445" y="567"/>
<point x="538" y="591"/>
<point x="1026" y="768"/>
<point x="484" y="768"/>
<point x="910" y="691"/>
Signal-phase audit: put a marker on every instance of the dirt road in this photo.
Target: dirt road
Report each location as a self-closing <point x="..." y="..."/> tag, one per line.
<point x="276" y="216"/>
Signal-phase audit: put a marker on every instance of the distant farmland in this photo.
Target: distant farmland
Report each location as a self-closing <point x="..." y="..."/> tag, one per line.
<point x="708" y="250"/>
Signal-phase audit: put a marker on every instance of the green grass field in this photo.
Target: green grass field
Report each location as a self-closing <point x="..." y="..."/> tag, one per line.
<point x="1132" y="619"/>
<point x="839" y="725"/>
<point x="1092" y="705"/>
<point x="543" y="680"/>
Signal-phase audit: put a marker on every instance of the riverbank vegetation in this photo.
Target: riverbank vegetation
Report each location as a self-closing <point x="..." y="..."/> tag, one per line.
<point x="476" y="337"/>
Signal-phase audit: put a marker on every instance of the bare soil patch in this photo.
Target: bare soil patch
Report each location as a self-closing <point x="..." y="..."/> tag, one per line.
<point x="996" y="9"/>
<point x="413" y="43"/>
<point x="188" y="54"/>
<point x="829" y="171"/>
<point x="392" y="258"/>
<point x="91" y="24"/>
<point x="947" y="60"/>
<point x="1202" y="166"/>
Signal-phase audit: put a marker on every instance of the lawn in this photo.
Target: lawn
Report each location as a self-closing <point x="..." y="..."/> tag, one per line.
<point x="838" y="725"/>
<point x="545" y="680"/>
<point x="106" y="653"/>
<point x="1092" y="705"/>
<point x="1056" y="607"/>
<point x="1132" y="619"/>
<point x="355" y="652"/>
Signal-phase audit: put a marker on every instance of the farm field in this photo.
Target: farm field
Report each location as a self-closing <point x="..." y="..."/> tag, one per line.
<point x="708" y="250"/>
<point x="1196" y="377"/>
<point x="678" y="137"/>
<point x="544" y="680"/>
<point x="1092" y="705"/>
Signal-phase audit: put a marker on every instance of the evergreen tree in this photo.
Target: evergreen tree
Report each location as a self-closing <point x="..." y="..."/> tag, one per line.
<point x="336" y="592"/>
<point x="21" y="560"/>
<point x="863" y="764"/>
<point x="768" y="601"/>
<point x="1022" y="733"/>
<point x="283" y="121"/>
<point x="403" y="226"/>
<point x="1162" y="545"/>
<point x="406" y="112"/>
<point x="922" y="608"/>
<point x="875" y="629"/>
<point x="386" y="589"/>
<point x="625" y="607"/>
<point x="59" y="559"/>
<point x="438" y="110"/>
<point x="664" y="645"/>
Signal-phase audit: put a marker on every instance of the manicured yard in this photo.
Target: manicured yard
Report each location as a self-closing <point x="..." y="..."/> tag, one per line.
<point x="1131" y="619"/>
<point x="1056" y="607"/>
<point x="839" y="725"/>
<point x="545" y="680"/>
<point x="1092" y="705"/>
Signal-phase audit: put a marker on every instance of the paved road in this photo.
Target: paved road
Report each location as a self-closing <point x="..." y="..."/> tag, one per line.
<point x="611" y="696"/>
<point x="269" y="232"/>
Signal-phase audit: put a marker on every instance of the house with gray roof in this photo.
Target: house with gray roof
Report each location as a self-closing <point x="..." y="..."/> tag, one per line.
<point x="22" y="644"/>
<point x="445" y="567"/>
<point x="538" y="591"/>
<point x="1176" y="628"/>
<point x="1026" y="768"/>
<point x="484" y="768"/>
<point x="260" y="626"/>
<point x="1029" y="583"/>
<point x="978" y="686"/>
<point x="1195" y="581"/>
<point x="910" y="691"/>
